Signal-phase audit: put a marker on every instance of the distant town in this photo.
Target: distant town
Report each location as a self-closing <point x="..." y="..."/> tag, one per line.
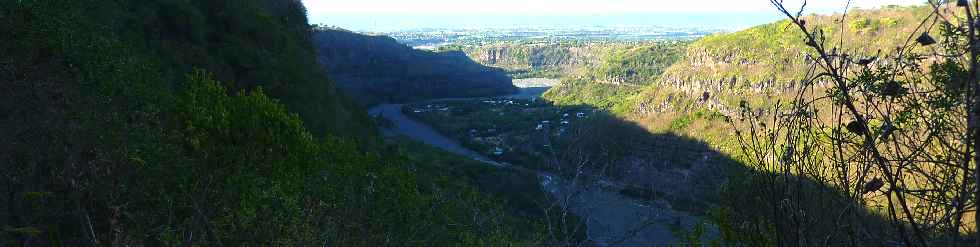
<point x="433" y="38"/>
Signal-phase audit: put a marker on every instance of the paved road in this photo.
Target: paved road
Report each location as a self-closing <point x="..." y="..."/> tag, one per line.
<point x="419" y="131"/>
<point x="407" y="126"/>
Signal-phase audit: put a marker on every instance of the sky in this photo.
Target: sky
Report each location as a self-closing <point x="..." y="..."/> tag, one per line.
<point x="388" y="15"/>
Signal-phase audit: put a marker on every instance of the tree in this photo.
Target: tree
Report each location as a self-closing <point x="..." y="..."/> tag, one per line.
<point x="894" y="131"/>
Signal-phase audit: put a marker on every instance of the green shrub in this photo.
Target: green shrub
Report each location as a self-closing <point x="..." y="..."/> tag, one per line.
<point x="860" y="24"/>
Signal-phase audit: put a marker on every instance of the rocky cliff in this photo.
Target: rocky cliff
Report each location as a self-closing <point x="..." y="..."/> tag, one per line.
<point x="379" y="69"/>
<point x="535" y="56"/>
<point x="759" y="65"/>
<point x="525" y="60"/>
<point x="765" y="62"/>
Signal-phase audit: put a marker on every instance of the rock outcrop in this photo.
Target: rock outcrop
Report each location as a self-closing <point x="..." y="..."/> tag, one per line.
<point x="379" y="69"/>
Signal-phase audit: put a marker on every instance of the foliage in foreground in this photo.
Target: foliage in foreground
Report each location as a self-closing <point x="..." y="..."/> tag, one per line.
<point x="885" y="141"/>
<point x="105" y="141"/>
<point x="805" y="185"/>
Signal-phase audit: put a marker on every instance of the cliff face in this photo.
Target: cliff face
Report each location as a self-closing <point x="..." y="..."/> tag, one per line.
<point x="535" y="56"/>
<point x="716" y="73"/>
<point x="379" y="69"/>
<point x="766" y="62"/>
<point x="537" y="60"/>
<point x="755" y="59"/>
<point x="637" y="66"/>
<point x="621" y="72"/>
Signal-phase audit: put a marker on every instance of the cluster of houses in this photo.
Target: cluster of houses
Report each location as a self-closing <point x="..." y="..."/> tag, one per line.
<point x="506" y="101"/>
<point x="565" y="121"/>
<point x="489" y="137"/>
<point x="500" y="102"/>
<point x="494" y="139"/>
<point x="430" y="108"/>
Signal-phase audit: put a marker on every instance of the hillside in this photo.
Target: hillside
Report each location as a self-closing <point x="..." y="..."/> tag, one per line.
<point x="637" y="65"/>
<point x="252" y="44"/>
<point x="743" y="79"/>
<point x="379" y="69"/>
<point x="717" y="72"/>
<point x="769" y="59"/>
<point x="619" y="74"/>
<point x="692" y="84"/>
<point x="210" y="123"/>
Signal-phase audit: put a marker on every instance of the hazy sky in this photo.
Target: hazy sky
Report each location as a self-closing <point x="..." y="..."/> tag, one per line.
<point x="397" y="14"/>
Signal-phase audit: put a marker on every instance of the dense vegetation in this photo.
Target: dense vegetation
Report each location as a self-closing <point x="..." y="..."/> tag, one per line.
<point x="776" y="51"/>
<point x="637" y="66"/>
<point x="613" y="83"/>
<point x="379" y="69"/>
<point x="582" y="91"/>
<point x="921" y="94"/>
<point x="717" y="73"/>
<point x="172" y="122"/>
<point x="753" y="64"/>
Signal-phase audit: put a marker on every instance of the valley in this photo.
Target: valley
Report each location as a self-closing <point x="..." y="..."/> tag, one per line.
<point x="263" y="123"/>
<point x="612" y="215"/>
<point x="642" y="120"/>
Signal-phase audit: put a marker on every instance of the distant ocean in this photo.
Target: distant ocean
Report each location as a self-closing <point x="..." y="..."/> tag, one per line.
<point x="388" y="23"/>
